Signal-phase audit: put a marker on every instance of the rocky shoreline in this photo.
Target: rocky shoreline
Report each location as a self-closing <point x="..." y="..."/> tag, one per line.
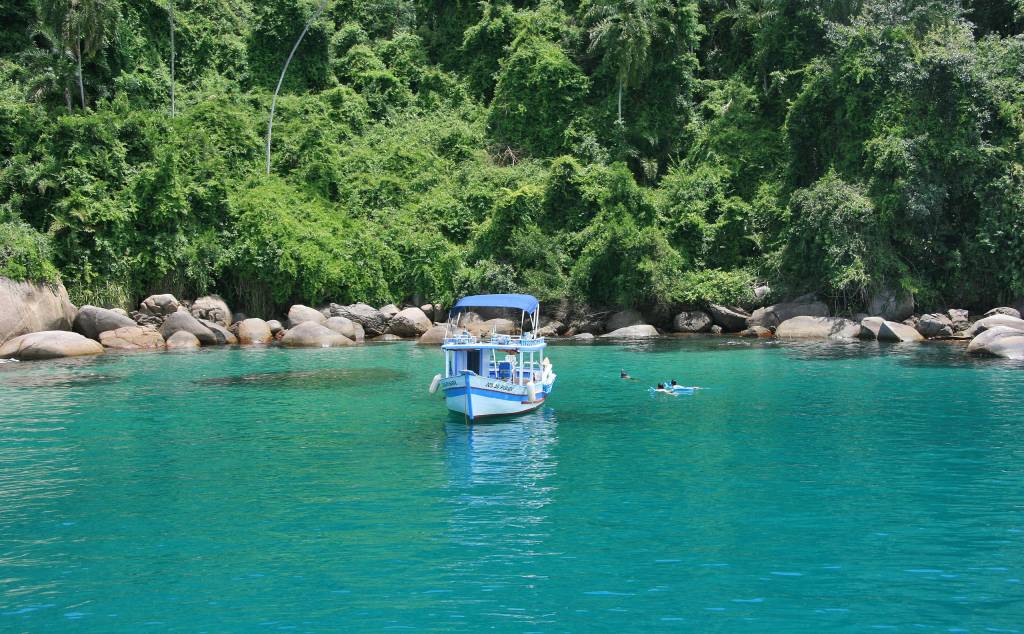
<point x="39" y="322"/>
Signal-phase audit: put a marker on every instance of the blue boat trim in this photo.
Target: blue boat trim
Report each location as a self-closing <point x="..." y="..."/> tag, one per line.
<point x="454" y="392"/>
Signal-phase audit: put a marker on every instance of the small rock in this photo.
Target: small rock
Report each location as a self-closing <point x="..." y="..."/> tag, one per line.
<point x="275" y="326"/>
<point x="958" y="317"/>
<point x="386" y="337"/>
<point x="132" y="338"/>
<point x="869" y="327"/>
<point x="432" y="337"/>
<point x="183" y="321"/>
<point x="254" y="331"/>
<point x="411" y="322"/>
<point x="223" y="335"/>
<point x="730" y="318"/>
<point x="583" y="336"/>
<point x="49" y="344"/>
<point x="551" y="329"/>
<point x="640" y="331"/>
<point x="692" y="321"/>
<point x="935" y="325"/>
<point x="159" y="306"/>
<point x="92" y="320"/>
<point x="804" y="327"/>
<point x="893" y="331"/>
<point x="624" y="318"/>
<point x="182" y="340"/>
<point x="299" y="314"/>
<point x="1004" y="310"/>
<point x="310" y="334"/>
<point x="756" y="332"/>
<point x="389" y="310"/>
<point x="212" y="308"/>
<point x="342" y="326"/>
<point x="716" y="330"/>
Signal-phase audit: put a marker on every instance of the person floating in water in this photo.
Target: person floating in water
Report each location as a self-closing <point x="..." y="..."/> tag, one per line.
<point x="660" y="388"/>
<point x="624" y="375"/>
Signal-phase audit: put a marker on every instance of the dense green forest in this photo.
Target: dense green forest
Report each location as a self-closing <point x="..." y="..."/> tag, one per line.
<point x="632" y="152"/>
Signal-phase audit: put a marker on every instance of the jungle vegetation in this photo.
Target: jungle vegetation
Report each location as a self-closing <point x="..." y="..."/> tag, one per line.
<point x="630" y="152"/>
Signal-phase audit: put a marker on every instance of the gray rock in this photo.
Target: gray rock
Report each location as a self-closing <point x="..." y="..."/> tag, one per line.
<point x="593" y="323"/>
<point x="624" y="318"/>
<point x="374" y="322"/>
<point x="224" y="336"/>
<point x="299" y="314"/>
<point x="870" y="326"/>
<point x="143" y="319"/>
<point x="893" y="331"/>
<point x="1004" y="310"/>
<point x="640" y="331"/>
<point x="892" y="305"/>
<point x="132" y="338"/>
<point x="552" y="328"/>
<point x="275" y="326"/>
<point x="985" y="323"/>
<point x="386" y="337"/>
<point x="342" y="326"/>
<point x="772" y="316"/>
<point x="49" y="344"/>
<point x="432" y="337"/>
<point x="92" y="320"/>
<point x="360" y="332"/>
<point x="804" y="327"/>
<point x="182" y="321"/>
<point x="499" y="326"/>
<point x="583" y="336"/>
<point x="238" y="317"/>
<point x="958" y="318"/>
<point x="389" y="311"/>
<point x="182" y="340"/>
<point x="410" y="322"/>
<point x="756" y="332"/>
<point x="432" y="311"/>
<point x="29" y="307"/>
<point x="691" y="321"/>
<point x="310" y="334"/>
<point x="730" y="318"/>
<point x="999" y="341"/>
<point x="159" y="306"/>
<point x="716" y="330"/>
<point x="212" y="308"/>
<point x="762" y="291"/>
<point x="254" y="331"/>
<point x="935" y="325"/>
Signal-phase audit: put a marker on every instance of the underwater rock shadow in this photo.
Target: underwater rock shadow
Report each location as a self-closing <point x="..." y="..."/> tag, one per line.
<point x="308" y="379"/>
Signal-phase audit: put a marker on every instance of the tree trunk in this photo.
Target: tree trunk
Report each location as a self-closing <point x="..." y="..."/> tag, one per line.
<point x="171" y="15"/>
<point x="81" y="84"/>
<point x="67" y="97"/>
<point x="273" y="102"/>
<point x="619" y="120"/>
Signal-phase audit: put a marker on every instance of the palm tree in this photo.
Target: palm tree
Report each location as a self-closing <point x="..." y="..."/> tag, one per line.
<point x="624" y="31"/>
<point x="78" y="27"/>
<point x="273" y="103"/>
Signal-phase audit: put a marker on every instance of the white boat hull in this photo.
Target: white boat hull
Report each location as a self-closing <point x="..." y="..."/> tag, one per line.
<point x="492" y="397"/>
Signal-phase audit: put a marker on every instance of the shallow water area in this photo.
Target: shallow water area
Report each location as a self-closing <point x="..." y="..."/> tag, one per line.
<point x="808" y="487"/>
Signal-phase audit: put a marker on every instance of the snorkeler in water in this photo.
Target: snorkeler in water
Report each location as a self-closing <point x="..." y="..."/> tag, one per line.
<point x="624" y="375"/>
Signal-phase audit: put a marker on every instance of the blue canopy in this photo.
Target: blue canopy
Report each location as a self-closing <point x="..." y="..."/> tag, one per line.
<point x="525" y="303"/>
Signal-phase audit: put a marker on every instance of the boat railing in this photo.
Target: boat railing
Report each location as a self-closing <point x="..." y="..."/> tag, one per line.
<point x="465" y="338"/>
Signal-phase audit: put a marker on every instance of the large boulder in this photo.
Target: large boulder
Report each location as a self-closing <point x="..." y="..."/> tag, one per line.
<point x="772" y="316"/>
<point x="692" y="321"/>
<point x="583" y="336"/>
<point x="253" y="331"/>
<point x="183" y="321"/>
<point x="432" y="311"/>
<point x="374" y="322"/>
<point x="29" y="307"/>
<point x="159" y="306"/>
<point x="624" y="318"/>
<point x="49" y="344"/>
<point x="275" y="326"/>
<point x="1004" y="310"/>
<point x="299" y="314"/>
<point x="593" y="323"/>
<point x="730" y="318"/>
<point x="92" y="320"/>
<point x="999" y="341"/>
<point x="432" y="337"/>
<point x="893" y="331"/>
<point x="386" y="337"/>
<point x="212" y="308"/>
<point x="640" y="331"/>
<point x="310" y="334"/>
<point x="935" y="325"/>
<point x="223" y="335"/>
<point x="411" y="322"/>
<point x="182" y="340"/>
<point x="804" y="327"/>
<point x="342" y="326"/>
<point x="498" y="326"/>
<point x="870" y="326"/>
<point x="132" y="338"/>
<point x="892" y="305"/>
<point x="985" y="323"/>
<point x="389" y="310"/>
<point x="552" y="328"/>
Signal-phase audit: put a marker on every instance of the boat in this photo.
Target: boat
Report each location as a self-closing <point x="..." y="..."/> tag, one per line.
<point x="491" y="373"/>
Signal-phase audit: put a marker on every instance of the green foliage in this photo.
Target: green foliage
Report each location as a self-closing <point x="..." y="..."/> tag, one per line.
<point x="25" y="254"/>
<point x="733" y="288"/>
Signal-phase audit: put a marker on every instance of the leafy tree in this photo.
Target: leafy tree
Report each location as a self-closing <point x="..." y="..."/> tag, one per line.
<point x="77" y="27"/>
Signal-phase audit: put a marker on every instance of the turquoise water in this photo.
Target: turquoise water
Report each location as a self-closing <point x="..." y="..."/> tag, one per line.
<point x="809" y="488"/>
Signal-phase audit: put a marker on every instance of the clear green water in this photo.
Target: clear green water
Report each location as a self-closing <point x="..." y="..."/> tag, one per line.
<point x="810" y="488"/>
